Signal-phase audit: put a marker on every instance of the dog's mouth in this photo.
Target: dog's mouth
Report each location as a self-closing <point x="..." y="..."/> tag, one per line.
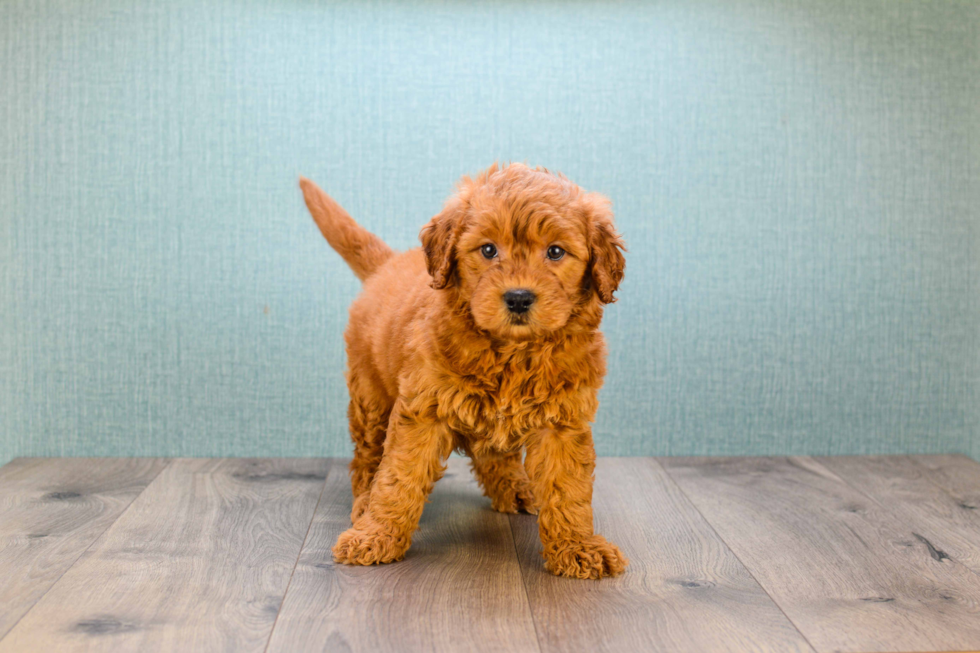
<point x="522" y="319"/>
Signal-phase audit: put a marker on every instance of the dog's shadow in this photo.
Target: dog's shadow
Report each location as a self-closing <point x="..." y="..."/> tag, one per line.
<point x="458" y="522"/>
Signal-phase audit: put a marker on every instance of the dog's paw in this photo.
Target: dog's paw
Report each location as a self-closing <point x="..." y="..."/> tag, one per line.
<point x="367" y="546"/>
<point x="515" y="499"/>
<point x="594" y="557"/>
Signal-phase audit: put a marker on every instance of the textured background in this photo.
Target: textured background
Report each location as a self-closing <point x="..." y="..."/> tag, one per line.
<point x="799" y="183"/>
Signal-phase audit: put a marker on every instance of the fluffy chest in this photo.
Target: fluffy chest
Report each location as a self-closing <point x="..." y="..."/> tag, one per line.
<point x="505" y="409"/>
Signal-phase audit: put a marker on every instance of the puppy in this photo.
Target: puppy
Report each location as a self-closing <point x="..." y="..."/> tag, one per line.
<point x="486" y="341"/>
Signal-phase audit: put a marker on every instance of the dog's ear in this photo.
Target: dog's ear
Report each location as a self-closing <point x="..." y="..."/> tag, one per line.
<point x="439" y="242"/>
<point x="606" y="247"/>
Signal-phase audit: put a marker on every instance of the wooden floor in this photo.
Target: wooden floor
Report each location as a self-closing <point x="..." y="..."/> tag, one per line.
<point x="727" y="554"/>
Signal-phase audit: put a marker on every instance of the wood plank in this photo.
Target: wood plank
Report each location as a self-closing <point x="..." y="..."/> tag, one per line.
<point x="51" y="510"/>
<point x="199" y="561"/>
<point x="458" y="589"/>
<point x="957" y="474"/>
<point x="905" y="488"/>
<point x="850" y="575"/>
<point x="683" y="591"/>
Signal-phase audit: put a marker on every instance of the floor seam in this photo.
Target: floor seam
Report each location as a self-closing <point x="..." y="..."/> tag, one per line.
<point x="680" y="489"/>
<point x="299" y="554"/>
<point x="520" y="568"/>
<point x="86" y="549"/>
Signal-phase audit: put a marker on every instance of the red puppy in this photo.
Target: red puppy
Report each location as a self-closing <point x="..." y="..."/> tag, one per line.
<point x="486" y="340"/>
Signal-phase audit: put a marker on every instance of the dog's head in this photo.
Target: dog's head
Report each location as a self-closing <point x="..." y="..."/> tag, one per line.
<point x="525" y="249"/>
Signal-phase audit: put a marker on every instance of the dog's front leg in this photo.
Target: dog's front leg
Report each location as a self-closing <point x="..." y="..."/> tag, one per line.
<point x="416" y="447"/>
<point x="560" y="463"/>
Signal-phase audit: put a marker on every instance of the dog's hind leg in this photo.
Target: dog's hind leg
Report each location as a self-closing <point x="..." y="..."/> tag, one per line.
<point x="504" y="480"/>
<point x="368" y="424"/>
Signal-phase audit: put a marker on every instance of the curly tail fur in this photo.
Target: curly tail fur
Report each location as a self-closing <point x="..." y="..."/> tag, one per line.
<point x="363" y="251"/>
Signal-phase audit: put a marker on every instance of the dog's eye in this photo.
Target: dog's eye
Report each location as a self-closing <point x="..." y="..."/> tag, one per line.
<point x="555" y="252"/>
<point x="488" y="251"/>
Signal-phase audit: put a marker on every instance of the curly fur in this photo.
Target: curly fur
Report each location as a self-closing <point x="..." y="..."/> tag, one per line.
<point x="436" y="362"/>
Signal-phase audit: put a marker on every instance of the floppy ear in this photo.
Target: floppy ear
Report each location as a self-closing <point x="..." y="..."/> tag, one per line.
<point x="439" y="242"/>
<point x="606" y="247"/>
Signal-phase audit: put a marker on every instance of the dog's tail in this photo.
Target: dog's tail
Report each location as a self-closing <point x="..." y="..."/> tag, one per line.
<point x="363" y="251"/>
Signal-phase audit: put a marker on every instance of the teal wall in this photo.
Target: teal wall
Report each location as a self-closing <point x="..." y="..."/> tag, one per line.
<point x="799" y="183"/>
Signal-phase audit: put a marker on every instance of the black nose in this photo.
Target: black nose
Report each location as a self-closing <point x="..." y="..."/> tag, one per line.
<point x="519" y="301"/>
